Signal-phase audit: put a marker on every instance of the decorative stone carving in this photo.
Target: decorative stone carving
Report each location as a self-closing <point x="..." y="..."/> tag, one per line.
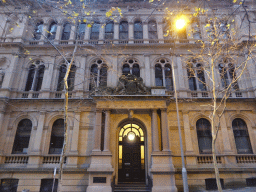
<point x="131" y="85"/>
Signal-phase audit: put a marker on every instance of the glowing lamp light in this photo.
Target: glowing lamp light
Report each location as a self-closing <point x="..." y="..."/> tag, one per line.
<point x="131" y="136"/>
<point x="180" y="23"/>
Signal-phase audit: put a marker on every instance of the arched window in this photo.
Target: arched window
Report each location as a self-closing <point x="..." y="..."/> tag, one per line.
<point x="138" y="30"/>
<point x="66" y="31"/>
<point x="242" y="140"/>
<point x="163" y="74"/>
<point x="228" y="74"/>
<point x="47" y="185"/>
<point x="81" y="31"/>
<point x="196" y="79"/>
<point x="99" y="75"/>
<point x="52" y="31"/>
<point x="35" y="76"/>
<point x="109" y="30"/>
<point x="70" y="80"/>
<point x="152" y="30"/>
<point x="22" y="137"/>
<point x="123" y="30"/>
<point x="9" y="185"/>
<point x="204" y="135"/>
<point x="57" y="137"/>
<point x="38" y="30"/>
<point x="131" y="66"/>
<point x="95" y="30"/>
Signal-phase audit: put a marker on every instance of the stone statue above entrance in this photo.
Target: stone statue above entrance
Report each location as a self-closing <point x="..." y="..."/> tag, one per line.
<point x="131" y="85"/>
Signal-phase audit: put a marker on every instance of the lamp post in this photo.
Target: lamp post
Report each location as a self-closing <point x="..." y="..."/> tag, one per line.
<point x="180" y="24"/>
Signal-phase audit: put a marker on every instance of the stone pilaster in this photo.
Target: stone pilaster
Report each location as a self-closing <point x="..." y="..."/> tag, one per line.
<point x="155" y="133"/>
<point x="107" y="131"/>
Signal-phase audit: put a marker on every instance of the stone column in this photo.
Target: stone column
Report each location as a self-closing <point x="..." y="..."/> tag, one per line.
<point x="155" y="133"/>
<point x="107" y="131"/>
<point x="75" y="134"/>
<point x="10" y="73"/>
<point x="160" y="32"/>
<point x="87" y="33"/>
<point x="180" y="77"/>
<point x="36" y="148"/>
<point x="72" y="34"/>
<point x="97" y="130"/>
<point x="80" y="77"/>
<point x="145" y="32"/>
<point x="47" y="80"/>
<point x="2" y="137"/>
<point x="165" y="131"/>
<point x="101" y="34"/>
<point x="130" y="32"/>
<point x="187" y="133"/>
<point x="147" y="70"/>
<point x="73" y="153"/>
<point x="58" y="32"/>
<point x="225" y="136"/>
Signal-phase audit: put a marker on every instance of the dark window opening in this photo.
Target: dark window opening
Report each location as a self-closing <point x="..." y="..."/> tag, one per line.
<point x="168" y="77"/>
<point x="158" y="75"/>
<point x="57" y="137"/>
<point x="52" y="31"/>
<point x="242" y="140"/>
<point x="123" y="30"/>
<point x="38" y="30"/>
<point x="191" y="79"/>
<point x="94" y="75"/>
<point x="109" y="30"/>
<point x="9" y="185"/>
<point x="62" y="73"/>
<point x="39" y="78"/>
<point x="95" y="31"/>
<point x="66" y="31"/>
<point x="47" y="185"/>
<point x="103" y="76"/>
<point x="126" y="69"/>
<point x="81" y="31"/>
<point x="22" y="137"/>
<point x="136" y="70"/>
<point x="71" y="78"/>
<point x="30" y="79"/>
<point x="204" y="135"/>
<point x="152" y="30"/>
<point x="138" y="30"/>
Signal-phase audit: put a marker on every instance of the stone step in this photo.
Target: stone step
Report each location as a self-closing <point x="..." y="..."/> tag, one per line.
<point x="132" y="187"/>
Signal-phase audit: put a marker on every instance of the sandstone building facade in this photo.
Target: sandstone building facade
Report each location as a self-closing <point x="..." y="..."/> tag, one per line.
<point x="122" y="121"/>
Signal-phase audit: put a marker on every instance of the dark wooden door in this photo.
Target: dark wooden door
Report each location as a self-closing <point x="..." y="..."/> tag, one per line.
<point x="131" y="170"/>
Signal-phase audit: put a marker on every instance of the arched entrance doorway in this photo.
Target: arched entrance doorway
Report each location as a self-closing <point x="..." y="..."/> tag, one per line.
<point x="131" y="154"/>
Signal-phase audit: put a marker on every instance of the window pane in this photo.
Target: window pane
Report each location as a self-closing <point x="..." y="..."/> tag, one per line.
<point x="136" y="70"/>
<point x="62" y="73"/>
<point x="93" y="76"/>
<point x="168" y="77"/>
<point x="191" y="80"/>
<point x="38" y="31"/>
<point x="95" y="31"/>
<point x="201" y="80"/>
<point x="123" y="30"/>
<point x="158" y="75"/>
<point x="39" y="78"/>
<point x="81" y="31"/>
<point x="138" y="30"/>
<point x="109" y="31"/>
<point x="66" y="32"/>
<point x="71" y="78"/>
<point x="52" y="30"/>
<point x="103" y="76"/>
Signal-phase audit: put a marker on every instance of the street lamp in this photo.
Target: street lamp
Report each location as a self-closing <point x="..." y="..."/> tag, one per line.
<point x="180" y="24"/>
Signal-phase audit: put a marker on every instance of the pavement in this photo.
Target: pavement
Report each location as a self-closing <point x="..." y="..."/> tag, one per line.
<point x="245" y="189"/>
